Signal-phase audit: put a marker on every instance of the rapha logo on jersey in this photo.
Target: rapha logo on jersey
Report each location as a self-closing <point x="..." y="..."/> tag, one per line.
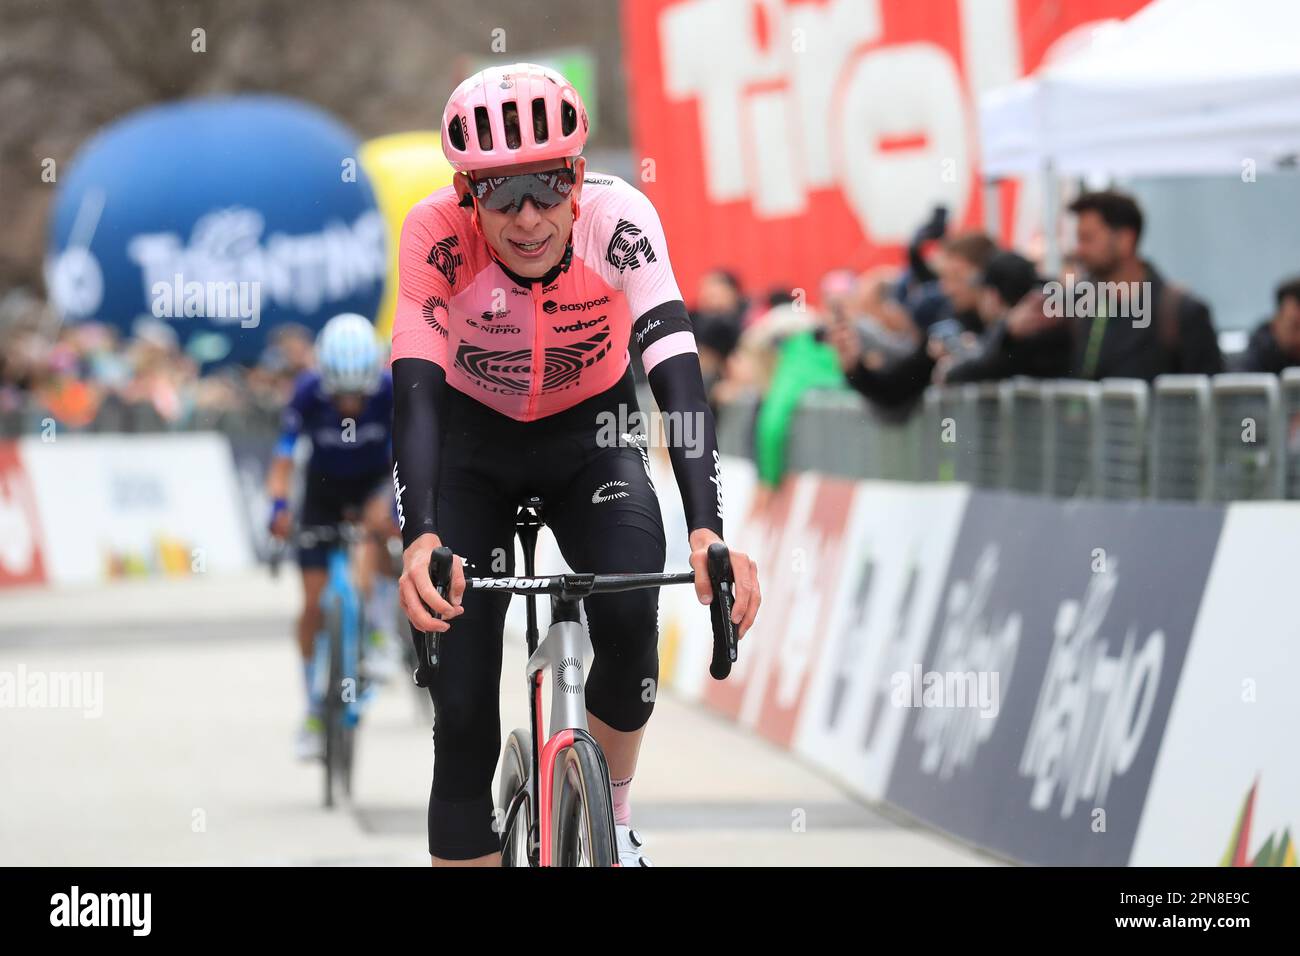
<point x="515" y="290"/>
<point x="431" y="305"/>
<point x="627" y="247"/>
<point x="579" y="325"/>
<point x="444" y="257"/>
<point x="646" y="330"/>
<point x="599" y="496"/>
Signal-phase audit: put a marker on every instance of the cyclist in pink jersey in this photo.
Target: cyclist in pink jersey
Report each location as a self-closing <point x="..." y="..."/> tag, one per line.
<point x="521" y="288"/>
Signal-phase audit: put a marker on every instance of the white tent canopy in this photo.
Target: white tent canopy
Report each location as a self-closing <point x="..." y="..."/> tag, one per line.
<point x="1181" y="87"/>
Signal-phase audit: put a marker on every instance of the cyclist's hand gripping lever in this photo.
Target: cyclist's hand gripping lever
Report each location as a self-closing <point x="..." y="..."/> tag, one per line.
<point x="723" y="580"/>
<point x="426" y="643"/>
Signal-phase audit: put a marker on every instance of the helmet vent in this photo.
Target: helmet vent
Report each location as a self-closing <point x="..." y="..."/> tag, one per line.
<point x="456" y="133"/>
<point x="484" y="127"/>
<point x="540" y="131"/>
<point x="568" y="119"/>
<point x="510" y="118"/>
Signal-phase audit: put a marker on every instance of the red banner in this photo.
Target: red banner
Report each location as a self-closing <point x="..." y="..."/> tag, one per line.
<point x="782" y="139"/>
<point x="20" y="527"/>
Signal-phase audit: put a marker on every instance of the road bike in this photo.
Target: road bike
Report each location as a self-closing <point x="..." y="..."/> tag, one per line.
<point x="339" y="680"/>
<point x="555" y="802"/>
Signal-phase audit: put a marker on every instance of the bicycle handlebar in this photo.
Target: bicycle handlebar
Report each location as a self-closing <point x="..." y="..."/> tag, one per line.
<point x="573" y="587"/>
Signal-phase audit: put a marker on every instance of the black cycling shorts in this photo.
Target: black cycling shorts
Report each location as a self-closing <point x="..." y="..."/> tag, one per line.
<point x="325" y="501"/>
<point x="601" y="506"/>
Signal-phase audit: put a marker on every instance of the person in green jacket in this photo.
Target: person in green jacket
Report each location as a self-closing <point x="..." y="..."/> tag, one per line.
<point x="804" y="363"/>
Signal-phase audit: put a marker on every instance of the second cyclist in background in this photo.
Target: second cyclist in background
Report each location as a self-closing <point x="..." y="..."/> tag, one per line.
<point x="344" y="409"/>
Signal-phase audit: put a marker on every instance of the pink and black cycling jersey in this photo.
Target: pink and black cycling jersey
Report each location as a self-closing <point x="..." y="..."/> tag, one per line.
<point x="528" y="351"/>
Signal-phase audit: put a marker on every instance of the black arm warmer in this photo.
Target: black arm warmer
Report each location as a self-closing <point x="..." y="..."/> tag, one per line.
<point x="418" y="399"/>
<point x="678" y="388"/>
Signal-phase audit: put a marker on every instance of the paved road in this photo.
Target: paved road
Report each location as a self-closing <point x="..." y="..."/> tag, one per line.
<point x="188" y="759"/>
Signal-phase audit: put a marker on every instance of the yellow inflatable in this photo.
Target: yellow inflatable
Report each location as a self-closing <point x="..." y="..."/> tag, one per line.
<point x="403" y="169"/>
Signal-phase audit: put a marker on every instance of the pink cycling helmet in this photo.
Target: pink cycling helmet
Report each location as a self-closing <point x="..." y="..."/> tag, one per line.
<point x="482" y="128"/>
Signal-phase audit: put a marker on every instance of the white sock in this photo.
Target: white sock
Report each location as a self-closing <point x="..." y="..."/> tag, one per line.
<point x="622" y="801"/>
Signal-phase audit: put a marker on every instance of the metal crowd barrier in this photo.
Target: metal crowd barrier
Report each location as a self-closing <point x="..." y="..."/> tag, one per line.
<point x="1249" y="437"/>
<point x="1186" y="437"/>
<point x="1122" y="439"/>
<point x="1290" y="388"/>
<point x="1182" y="446"/>
<point x="1074" y="461"/>
<point x="1182" y="438"/>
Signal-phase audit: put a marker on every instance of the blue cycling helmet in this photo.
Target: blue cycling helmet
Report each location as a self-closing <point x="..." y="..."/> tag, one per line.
<point x="348" y="355"/>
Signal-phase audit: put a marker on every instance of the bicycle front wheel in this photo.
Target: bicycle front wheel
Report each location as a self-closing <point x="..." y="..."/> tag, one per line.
<point x="513" y="803"/>
<point x="584" y="834"/>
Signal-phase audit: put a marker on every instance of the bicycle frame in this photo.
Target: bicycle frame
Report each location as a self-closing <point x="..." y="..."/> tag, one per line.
<point x="339" y="586"/>
<point x="564" y="651"/>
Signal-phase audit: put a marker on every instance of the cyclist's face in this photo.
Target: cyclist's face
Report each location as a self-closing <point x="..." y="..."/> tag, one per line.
<point x="530" y="240"/>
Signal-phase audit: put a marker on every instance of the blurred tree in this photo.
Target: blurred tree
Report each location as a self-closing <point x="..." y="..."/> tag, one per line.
<point x="67" y="67"/>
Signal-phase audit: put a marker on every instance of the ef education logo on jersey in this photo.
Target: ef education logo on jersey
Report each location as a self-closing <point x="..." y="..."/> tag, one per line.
<point x="628" y="246"/>
<point x="133" y="910"/>
<point x="444" y="257"/>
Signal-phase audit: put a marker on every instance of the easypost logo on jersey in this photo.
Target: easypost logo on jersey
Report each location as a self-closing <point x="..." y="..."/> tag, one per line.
<point x="550" y="306"/>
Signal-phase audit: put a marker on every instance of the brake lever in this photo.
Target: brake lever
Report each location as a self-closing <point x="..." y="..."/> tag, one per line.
<point x="723" y="579"/>
<point x="426" y="642"/>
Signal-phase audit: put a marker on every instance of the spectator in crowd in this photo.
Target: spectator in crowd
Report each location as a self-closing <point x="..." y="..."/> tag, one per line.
<point x="1018" y="339"/>
<point x="718" y="318"/>
<point x="1169" y="332"/>
<point x="1275" y="343"/>
<point x="897" y="383"/>
<point x="784" y="356"/>
<point x="918" y="289"/>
